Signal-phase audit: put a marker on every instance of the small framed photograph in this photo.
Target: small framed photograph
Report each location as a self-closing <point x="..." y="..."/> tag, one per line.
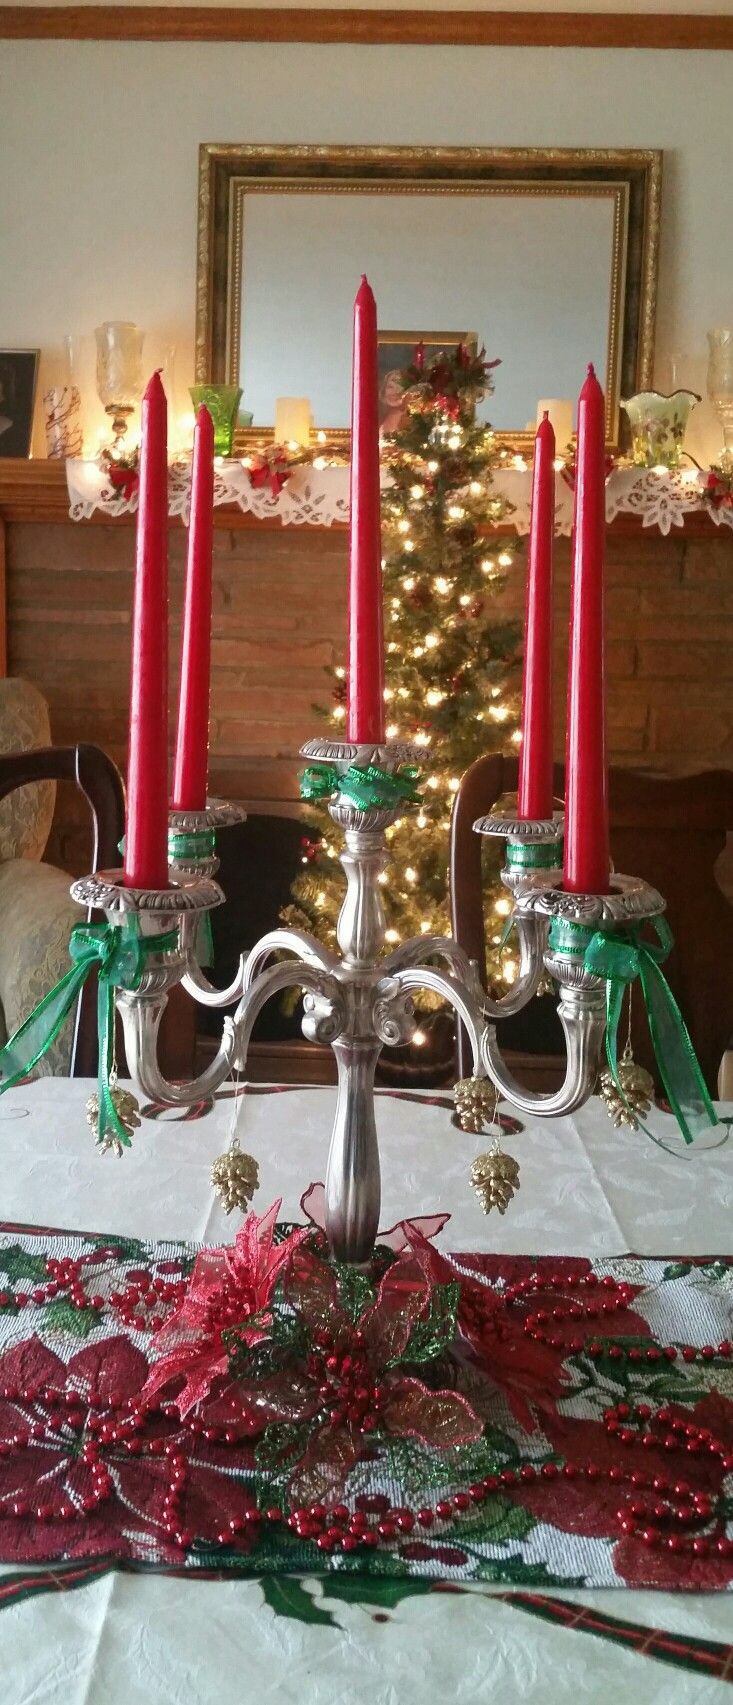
<point x="18" y="375"/>
<point x="396" y="350"/>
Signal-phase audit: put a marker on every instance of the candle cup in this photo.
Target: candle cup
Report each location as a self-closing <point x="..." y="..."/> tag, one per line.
<point x="222" y="402"/>
<point x="192" y="837"/>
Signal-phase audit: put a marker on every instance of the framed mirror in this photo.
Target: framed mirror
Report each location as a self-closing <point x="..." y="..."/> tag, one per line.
<point x="548" y="257"/>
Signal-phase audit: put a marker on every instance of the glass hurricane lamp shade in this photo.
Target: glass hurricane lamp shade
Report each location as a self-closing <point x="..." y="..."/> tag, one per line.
<point x="720" y="386"/>
<point x="222" y="402"/>
<point x="658" y="423"/>
<point x="119" y="371"/>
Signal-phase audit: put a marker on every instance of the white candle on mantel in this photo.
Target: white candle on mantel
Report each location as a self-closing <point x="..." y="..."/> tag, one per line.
<point x="292" y="420"/>
<point x="560" y="412"/>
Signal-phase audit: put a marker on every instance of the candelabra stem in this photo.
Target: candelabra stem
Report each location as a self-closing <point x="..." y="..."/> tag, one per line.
<point x="352" y="1173"/>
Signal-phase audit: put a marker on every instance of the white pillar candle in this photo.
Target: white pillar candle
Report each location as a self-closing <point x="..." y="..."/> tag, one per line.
<point x="292" y="420"/>
<point x="560" y="411"/>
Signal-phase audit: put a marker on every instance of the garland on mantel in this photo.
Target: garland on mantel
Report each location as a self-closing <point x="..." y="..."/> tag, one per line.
<point x="298" y="486"/>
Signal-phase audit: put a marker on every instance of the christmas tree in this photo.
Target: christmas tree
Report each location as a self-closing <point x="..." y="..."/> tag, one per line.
<point x="452" y="665"/>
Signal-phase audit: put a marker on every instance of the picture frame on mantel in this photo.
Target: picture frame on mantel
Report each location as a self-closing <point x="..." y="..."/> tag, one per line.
<point x="18" y="380"/>
<point x="252" y="197"/>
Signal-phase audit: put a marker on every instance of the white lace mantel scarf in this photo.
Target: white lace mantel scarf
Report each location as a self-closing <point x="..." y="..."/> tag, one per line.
<point x="321" y="496"/>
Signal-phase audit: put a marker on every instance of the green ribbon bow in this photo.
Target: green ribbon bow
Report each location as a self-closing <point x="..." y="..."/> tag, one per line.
<point x="118" y="952"/>
<point x="319" y="781"/>
<point x="364" y="787"/>
<point x="620" y="957"/>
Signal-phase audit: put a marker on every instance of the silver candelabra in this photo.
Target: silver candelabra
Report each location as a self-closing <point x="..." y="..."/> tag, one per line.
<point x="363" y="999"/>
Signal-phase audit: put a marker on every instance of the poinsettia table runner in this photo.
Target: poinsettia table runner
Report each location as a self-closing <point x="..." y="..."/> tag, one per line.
<point x="603" y="1454"/>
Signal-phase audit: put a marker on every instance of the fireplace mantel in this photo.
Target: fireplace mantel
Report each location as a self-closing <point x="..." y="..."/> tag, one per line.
<point x="37" y="491"/>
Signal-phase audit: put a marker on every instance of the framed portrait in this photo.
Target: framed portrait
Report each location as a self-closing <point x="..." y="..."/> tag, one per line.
<point x="18" y="375"/>
<point x="395" y="351"/>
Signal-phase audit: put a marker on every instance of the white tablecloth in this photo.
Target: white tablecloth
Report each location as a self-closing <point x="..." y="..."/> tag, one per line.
<point x="153" y="1641"/>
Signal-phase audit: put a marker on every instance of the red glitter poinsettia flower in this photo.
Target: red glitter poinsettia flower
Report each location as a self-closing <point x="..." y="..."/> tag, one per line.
<point x="351" y="1384"/>
<point x="427" y="1226"/>
<point x="229" y="1288"/>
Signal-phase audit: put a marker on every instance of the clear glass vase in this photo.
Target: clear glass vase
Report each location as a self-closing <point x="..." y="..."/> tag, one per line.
<point x="720" y="387"/>
<point x="119" y="371"/>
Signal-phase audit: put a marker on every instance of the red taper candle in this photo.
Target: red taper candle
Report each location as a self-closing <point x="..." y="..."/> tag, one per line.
<point x="146" y="831"/>
<point x="191" y="763"/>
<point x="535" y="797"/>
<point x="587" y="860"/>
<point x="365" y="715"/>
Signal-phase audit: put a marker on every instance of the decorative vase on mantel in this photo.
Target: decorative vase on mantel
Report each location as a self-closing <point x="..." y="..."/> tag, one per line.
<point x="720" y="387"/>
<point x="658" y="424"/>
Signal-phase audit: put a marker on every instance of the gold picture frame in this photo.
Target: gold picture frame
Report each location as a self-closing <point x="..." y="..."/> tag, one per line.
<point x="631" y="178"/>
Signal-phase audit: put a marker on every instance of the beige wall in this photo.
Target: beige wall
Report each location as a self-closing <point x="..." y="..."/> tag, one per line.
<point x="98" y="160"/>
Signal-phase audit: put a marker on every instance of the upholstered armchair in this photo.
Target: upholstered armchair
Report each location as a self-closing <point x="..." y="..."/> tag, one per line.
<point x="36" y="911"/>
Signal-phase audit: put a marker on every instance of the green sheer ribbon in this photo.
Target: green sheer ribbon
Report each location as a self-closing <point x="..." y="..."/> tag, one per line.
<point x="200" y="844"/>
<point x="118" y="951"/>
<point x="533" y="855"/>
<point x="621" y="957"/>
<point x="364" y="787"/>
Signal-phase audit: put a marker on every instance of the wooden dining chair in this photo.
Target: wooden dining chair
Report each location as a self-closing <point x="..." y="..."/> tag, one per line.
<point x="670" y="830"/>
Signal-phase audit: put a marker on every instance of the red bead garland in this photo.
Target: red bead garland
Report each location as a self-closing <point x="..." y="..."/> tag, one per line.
<point x="142" y="1293"/>
<point x="541" y="1326"/>
<point x="661" y="1511"/>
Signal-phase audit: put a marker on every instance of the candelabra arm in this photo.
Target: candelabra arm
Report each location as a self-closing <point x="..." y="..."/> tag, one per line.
<point x="303" y="946"/>
<point x="306" y="949"/>
<point x="459" y="996"/>
<point x="141" y="1018"/>
<point x="424" y="947"/>
<point x="532" y="932"/>
<point x="582" y="1013"/>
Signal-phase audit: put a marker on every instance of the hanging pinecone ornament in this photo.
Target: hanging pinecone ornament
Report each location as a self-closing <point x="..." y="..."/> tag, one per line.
<point x="475" y="1101"/>
<point x="638" y="1091"/>
<point x="495" y="1178"/>
<point x="127" y="1108"/>
<point x="235" y="1177"/>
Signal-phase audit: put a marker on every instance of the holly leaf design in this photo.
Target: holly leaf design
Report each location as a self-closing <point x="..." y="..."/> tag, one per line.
<point x="677" y="1270"/>
<point x="287" y="1596"/>
<point x="498" y="1521"/>
<point x="19" y="1264"/>
<point x="61" y="1316"/>
<point x="385" y="1591"/>
<point x="515" y="1570"/>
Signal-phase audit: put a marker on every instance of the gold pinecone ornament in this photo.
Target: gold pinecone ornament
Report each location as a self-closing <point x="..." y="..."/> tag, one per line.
<point x="235" y="1177"/>
<point x="475" y="1102"/>
<point x="638" y="1092"/>
<point x="127" y="1108"/>
<point x="495" y="1178"/>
